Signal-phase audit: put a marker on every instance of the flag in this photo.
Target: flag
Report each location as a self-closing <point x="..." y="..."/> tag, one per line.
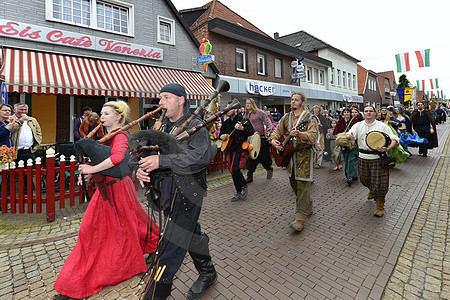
<point x="431" y="84"/>
<point x="418" y="86"/>
<point x="437" y="84"/>
<point x="423" y="84"/>
<point x="402" y="62"/>
<point x="423" y="58"/>
<point x="438" y="94"/>
<point x="407" y="96"/>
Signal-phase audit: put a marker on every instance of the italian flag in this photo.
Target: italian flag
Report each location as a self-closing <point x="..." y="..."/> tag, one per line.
<point x="402" y="62"/>
<point x="423" y="57"/>
<point x="421" y="85"/>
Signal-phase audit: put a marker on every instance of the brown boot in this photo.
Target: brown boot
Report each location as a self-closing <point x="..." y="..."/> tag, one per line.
<point x="370" y="195"/>
<point x="379" y="211"/>
<point x="269" y="173"/>
<point x="249" y="177"/>
<point x="299" y="223"/>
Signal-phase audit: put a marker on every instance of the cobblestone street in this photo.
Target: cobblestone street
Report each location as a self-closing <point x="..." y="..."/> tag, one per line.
<point x="343" y="253"/>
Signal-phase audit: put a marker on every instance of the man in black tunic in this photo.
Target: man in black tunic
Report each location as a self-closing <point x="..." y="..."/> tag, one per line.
<point x="423" y="124"/>
<point x="183" y="187"/>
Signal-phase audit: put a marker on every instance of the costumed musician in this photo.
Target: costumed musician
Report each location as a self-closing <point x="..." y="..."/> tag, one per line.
<point x="235" y="130"/>
<point x="182" y="190"/>
<point x="301" y="164"/>
<point x="115" y="232"/>
<point x="371" y="174"/>
<point x="261" y="124"/>
<point x="424" y="125"/>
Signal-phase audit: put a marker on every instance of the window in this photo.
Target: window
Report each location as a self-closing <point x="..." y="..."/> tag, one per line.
<point x="322" y="77"/>
<point x="338" y="77"/>
<point x="354" y="82"/>
<point x="316" y="76"/>
<point x="278" y="71"/>
<point x="309" y="74"/>
<point x="166" y="31"/>
<point x="112" y="15"/>
<point x="261" y="64"/>
<point x="332" y="76"/>
<point x="349" y="80"/>
<point x="344" y="77"/>
<point x="241" y="58"/>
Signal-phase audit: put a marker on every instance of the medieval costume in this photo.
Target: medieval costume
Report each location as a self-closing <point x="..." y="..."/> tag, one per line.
<point x="422" y="122"/>
<point x="114" y="235"/>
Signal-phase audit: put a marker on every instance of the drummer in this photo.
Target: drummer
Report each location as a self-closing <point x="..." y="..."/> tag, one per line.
<point x="261" y="124"/>
<point x="371" y="174"/>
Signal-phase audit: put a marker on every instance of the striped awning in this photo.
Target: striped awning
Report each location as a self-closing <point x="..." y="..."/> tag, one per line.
<point x="46" y="73"/>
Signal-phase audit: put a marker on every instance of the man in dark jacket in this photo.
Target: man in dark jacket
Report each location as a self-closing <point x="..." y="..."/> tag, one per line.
<point x="236" y="130"/>
<point x="423" y="124"/>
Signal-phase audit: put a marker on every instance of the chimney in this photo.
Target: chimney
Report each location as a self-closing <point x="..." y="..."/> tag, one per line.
<point x="276" y="35"/>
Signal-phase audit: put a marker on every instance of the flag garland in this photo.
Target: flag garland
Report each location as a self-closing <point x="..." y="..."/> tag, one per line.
<point x="402" y="62"/>
<point x="423" y="58"/>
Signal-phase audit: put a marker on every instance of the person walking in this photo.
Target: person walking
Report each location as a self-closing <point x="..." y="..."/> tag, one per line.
<point x="371" y="173"/>
<point x="183" y="187"/>
<point x="424" y="125"/>
<point x="116" y="231"/>
<point x="303" y="127"/>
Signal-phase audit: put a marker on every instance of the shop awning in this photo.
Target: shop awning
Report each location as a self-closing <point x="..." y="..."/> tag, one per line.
<point x="47" y="73"/>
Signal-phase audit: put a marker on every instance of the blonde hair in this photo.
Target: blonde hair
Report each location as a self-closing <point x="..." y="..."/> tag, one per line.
<point x="93" y="116"/>
<point x="302" y="96"/>
<point x="252" y="104"/>
<point x="121" y="108"/>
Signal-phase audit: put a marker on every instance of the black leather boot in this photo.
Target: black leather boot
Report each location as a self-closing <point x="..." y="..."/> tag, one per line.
<point x="161" y="292"/>
<point x="199" y="252"/>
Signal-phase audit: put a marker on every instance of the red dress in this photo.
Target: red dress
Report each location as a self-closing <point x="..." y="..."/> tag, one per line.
<point x="110" y="246"/>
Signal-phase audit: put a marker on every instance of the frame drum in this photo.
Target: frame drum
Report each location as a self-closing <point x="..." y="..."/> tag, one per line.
<point x="255" y="140"/>
<point x="376" y="139"/>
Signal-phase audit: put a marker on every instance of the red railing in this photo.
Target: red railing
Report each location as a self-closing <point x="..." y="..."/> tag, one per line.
<point x="44" y="185"/>
<point x="52" y="182"/>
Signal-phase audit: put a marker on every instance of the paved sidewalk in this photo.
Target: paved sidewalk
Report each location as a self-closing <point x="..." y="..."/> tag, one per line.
<point x="343" y="253"/>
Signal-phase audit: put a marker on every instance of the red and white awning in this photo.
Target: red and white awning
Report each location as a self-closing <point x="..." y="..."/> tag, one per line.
<point x="47" y="73"/>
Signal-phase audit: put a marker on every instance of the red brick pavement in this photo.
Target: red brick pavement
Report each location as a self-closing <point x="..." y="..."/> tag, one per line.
<point x="344" y="252"/>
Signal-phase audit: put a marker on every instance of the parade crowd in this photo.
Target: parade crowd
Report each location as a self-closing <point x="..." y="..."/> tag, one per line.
<point x="116" y="231"/>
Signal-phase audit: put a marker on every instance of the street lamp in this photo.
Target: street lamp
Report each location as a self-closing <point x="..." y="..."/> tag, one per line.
<point x="393" y="94"/>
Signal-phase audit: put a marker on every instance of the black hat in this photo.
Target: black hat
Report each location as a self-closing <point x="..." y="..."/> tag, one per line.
<point x="174" y="88"/>
<point x="86" y="108"/>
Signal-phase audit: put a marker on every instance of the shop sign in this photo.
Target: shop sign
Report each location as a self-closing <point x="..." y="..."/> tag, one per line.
<point x="263" y="89"/>
<point x="54" y="36"/>
<point x="346" y="98"/>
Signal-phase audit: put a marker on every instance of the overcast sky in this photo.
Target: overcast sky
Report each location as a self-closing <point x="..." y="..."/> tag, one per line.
<point x="371" y="31"/>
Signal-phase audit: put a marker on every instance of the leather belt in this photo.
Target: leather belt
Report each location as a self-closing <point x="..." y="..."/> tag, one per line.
<point x="109" y="183"/>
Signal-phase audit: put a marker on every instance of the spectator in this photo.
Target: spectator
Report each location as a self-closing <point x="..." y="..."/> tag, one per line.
<point x="88" y="124"/>
<point x="85" y="111"/>
<point x="27" y="135"/>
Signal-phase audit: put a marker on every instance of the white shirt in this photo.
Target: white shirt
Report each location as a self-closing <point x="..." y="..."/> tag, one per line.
<point x="26" y="138"/>
<point x="361" y="129"/>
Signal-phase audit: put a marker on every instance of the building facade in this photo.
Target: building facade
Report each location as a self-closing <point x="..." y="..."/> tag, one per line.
<point x="255" y="64"/>
<point x="58" y="56"/>
<point x="340" y="78"/>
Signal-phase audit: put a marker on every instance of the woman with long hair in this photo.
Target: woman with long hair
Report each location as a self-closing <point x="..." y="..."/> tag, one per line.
<point x="89" y="124"/>
<point x="350" y="155"/>
<point x="116" y="231"/>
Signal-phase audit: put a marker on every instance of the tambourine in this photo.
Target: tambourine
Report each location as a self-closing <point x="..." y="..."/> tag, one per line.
<point x="376" y="139"/>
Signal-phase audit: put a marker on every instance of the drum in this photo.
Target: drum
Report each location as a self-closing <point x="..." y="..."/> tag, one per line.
<point x="253" y="145"/>
<point x="376" y="139"/>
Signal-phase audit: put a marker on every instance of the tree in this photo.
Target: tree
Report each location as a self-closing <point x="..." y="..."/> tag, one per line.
<point x="403" y="82"/>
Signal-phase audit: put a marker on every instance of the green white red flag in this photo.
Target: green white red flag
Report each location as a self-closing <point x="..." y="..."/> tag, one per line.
<point x="402" y="62"/>
<point x="423" y="58"/>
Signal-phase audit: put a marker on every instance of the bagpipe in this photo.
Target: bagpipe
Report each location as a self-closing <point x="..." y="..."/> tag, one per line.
<point x="98" y="152"/>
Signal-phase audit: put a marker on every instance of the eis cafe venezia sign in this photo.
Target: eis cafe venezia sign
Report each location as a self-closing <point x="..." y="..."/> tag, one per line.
<point x="54" y="36"/>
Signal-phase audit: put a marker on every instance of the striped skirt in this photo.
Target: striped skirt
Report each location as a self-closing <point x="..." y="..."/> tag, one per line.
<point x="374" y="177"/>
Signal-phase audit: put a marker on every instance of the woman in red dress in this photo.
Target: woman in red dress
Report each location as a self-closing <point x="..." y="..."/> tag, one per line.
<point x="114" y="233"/>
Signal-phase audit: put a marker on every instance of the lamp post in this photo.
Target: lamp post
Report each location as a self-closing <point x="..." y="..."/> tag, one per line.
<point x="393" y="94"/>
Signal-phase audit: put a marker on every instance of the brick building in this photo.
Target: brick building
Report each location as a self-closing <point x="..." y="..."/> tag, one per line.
<point x="58" y="56"/>
<point x="255" y="64"/>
